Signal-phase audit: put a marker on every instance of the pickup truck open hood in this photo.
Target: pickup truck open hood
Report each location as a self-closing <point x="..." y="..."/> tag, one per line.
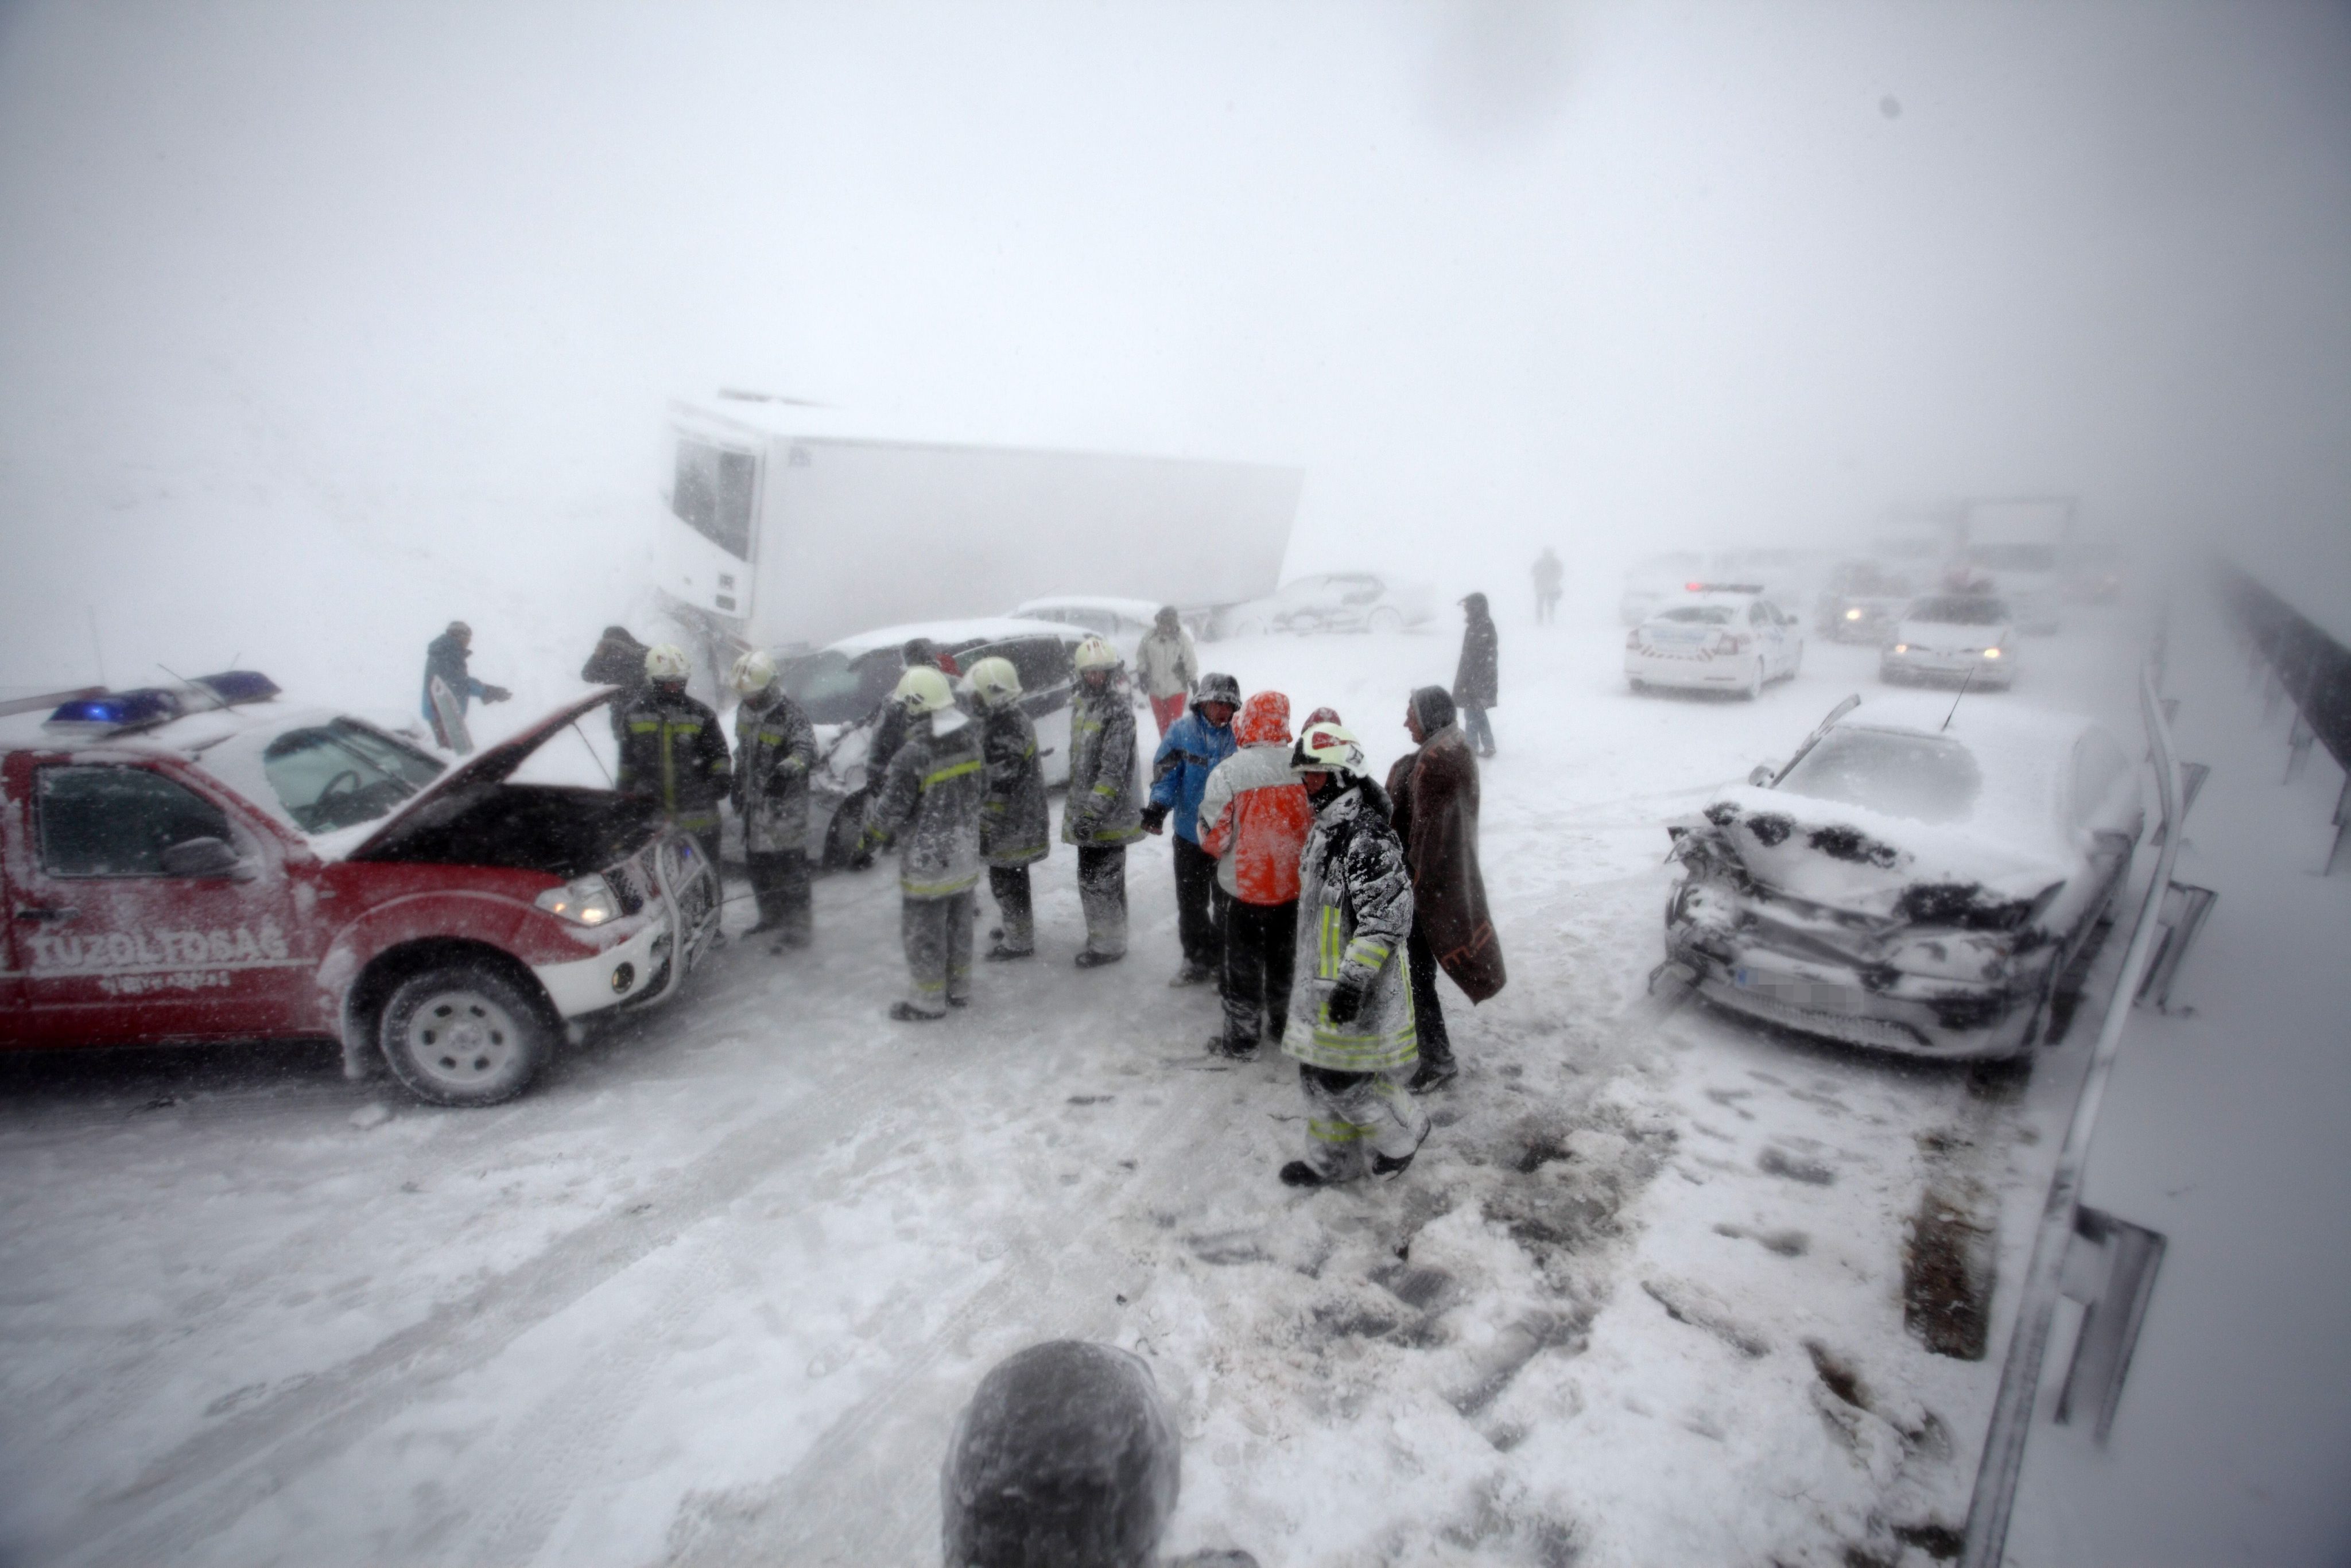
<point x="494" y="764"/>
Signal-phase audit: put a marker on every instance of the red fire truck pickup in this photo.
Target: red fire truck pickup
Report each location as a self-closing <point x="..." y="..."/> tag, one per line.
<point x="203" y="863"/>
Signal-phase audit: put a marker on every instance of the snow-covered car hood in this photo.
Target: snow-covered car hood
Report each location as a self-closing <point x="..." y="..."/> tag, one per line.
<point x="1943" y="637"/>
<point x="1881" y="866"/>
<point x="494" y="764"/>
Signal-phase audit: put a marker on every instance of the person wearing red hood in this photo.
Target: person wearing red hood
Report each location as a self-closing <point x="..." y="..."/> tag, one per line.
<point x="1254" y="819"/>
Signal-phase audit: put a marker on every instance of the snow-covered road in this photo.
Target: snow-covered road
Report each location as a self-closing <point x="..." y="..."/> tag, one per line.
<point x="713" y="1291"/>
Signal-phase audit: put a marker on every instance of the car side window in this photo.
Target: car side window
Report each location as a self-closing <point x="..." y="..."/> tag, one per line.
<point x="117" y="820"/>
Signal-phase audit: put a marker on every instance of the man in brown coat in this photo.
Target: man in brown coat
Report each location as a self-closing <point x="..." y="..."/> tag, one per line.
<point x="1436" y="794"/>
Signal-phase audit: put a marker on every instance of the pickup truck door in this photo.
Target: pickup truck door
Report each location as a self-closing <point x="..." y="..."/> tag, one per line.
<point x="122" y="941"/>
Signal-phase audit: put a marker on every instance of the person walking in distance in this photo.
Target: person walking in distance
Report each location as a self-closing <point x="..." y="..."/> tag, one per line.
<point x="446" y="656"/>
<point x="1434" y="792"/>
<point x="1351" y="1020"/>
<point x="1187" y="754"/>
<point x="674" y="752"/>
<point x="1548" y="573"/>
<point x="1476" y="678"/>
<point x="775" y="747"/>
<point x="1254" y="819"/>
<point x="929" y="805"/>
<point x="1103" y="813"/>
<point x="1167" y="664"/>
<point x="1013" y="823"/>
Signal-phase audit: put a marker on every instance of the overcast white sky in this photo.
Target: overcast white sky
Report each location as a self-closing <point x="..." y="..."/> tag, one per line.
<point x="1507" y="273"/>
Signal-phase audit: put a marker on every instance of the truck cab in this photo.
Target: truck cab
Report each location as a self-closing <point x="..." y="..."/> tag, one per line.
<point x="202" y="863"/>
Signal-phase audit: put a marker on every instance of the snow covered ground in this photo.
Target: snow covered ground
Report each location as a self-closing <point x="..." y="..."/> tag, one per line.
<point x="713" y="1291"/>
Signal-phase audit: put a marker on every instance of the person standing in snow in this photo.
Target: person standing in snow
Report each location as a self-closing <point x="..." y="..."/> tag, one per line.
<point x="890" y="726"/>
<point x="446" y="656"/>
<point x="1168" y="665"/>
<point x="1548" y="573"/>
<point x="1350" y="1022"/>
<point x="674" y="752"/>
<point x="1103" y="813"/>
<point x="1434" y="791"/>
<point x="1475" y="679"/>
<point x="1188" y="752"/>
<point x="619" y="660"/>
<point x="1254" y="819"/>
<point x="929" y="802"/>
<point x="1013" y="823"/>
<point x="775" y="747"/>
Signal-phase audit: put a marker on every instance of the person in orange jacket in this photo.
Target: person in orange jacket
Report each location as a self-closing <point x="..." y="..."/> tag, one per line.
<point x="1254" y="819"/>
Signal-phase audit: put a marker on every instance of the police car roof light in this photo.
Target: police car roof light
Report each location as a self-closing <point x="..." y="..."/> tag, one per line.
<point x="135" y="709"/>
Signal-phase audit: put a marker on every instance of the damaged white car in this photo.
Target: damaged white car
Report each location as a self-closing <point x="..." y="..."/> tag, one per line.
<point x="1918" y="878"/>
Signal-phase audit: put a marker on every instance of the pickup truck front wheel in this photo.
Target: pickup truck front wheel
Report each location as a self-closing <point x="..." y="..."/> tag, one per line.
<point x="464" y="1034"/>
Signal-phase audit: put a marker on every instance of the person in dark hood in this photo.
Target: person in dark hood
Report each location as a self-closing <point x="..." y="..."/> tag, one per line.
<point x="1434" y="794"/>
<point x="619" y="660"/>
<point x="1187" y="754"/>
<point x="446" y="656"/>
<point x="1476" y="679"/>
<point x="1065" y="1458"/>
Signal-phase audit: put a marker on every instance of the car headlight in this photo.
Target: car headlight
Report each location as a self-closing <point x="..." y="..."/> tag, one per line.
<point x="1901" y="647"/>
<point x="1852" y="614"/>
<point x="586" y="902"/>
<point x="1991" y="653"/>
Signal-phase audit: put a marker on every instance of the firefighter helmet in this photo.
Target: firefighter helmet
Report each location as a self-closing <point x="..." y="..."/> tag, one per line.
<point x="1095" y="653"/>
<point x="666" y="661"/>
<point x="1327" y="747"/>
<point x="995" y="680"/>
<point x="923" y="689"/>
<point x="752" y="674"/>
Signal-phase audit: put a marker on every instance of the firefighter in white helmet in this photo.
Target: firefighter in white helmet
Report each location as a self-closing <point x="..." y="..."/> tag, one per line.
<point x="775" y="748"/>
<point x="1103" y="813"/>
<point x="928" y="802"/>
<point x="1351" y="1019"/>
<point x="1014" y="826"/>
<point x="672" y="751"/>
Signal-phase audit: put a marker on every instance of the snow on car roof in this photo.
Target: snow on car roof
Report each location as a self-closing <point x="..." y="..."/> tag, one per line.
<point x="186" y="736"/>
<point x="1134" y="609"/>
<point x="983" y="629"/>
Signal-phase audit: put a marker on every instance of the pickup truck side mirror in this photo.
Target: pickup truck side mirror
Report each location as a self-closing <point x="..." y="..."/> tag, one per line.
<point x="209" y="858"/>
<point x="1762" y="773"/>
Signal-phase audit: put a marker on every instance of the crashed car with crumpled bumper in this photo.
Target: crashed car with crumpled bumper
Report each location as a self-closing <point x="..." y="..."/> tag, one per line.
<point x="1900" y="884"/>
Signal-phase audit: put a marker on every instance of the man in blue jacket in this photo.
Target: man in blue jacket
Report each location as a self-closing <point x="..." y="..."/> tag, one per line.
<point x="446" y="656"/>
<point x="1187" y="754"/>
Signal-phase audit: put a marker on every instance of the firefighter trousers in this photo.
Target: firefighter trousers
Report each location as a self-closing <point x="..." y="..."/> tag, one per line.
<point x="1102" y="893"/>
<point x="937" y="934"/>
<point x="780" y="883"/>
<point x="1014" y="906"/>
<point x="1260" y="950"/>
<point x="1351" y="1116"/>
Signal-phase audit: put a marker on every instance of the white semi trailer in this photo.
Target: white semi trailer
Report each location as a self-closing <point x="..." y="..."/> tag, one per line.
<point x="787" y="527"/>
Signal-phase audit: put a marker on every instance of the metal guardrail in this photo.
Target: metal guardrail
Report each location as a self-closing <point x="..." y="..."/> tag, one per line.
<point x="2126" y="1262"/>
<point x="2308" y="667"/>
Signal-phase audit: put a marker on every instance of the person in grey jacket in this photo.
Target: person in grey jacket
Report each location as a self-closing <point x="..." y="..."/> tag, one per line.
<point x="1351" y="1018"/>
<point x="1013" y="821"/>
<point x="1103" y="813"/>
<point x="1477" y="680"/>
<point x="775" y="747"/>
<point x="929" y="802"/>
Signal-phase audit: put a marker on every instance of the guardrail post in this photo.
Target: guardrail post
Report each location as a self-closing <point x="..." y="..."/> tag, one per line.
<point x="2339" y="857"/>
<point x="2110" y="1269"/>
<point x="2184" y="909"/>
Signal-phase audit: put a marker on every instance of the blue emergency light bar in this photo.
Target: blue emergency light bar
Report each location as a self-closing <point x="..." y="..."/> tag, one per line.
<point x="146" y="706"/>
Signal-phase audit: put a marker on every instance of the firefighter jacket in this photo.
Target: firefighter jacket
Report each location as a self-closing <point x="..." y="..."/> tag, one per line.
<point x="1254" y="815"/>
<point x="1014" y="826"/>
<point x="1434" y="792"/>
<point x="929" y="802"/>
<point x="1104" y="805"/>
<point x="775" y="747"/>
<point x="1187" y="754"/>
<point x="1168" y="665"/>
<point x="673" y="750"/>
<point x="1355" y="913"/>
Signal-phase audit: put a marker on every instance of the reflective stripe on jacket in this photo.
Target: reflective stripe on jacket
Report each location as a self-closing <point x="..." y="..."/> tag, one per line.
<point x="673" y="750"/>
<point x="1014" y="826"/>
<point x="1355" y="913"/>
<point x="1104" y="806"/>
<point x="775" y="747"/>
<point x="929" y="802"/>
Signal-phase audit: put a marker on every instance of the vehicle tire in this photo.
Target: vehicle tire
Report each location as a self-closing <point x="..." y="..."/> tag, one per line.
<point x="1755" y="687"/>
<point x="1387" y="619"/>
<point x="465" y="1034"/>
<point x="840" y="834"/>
<point x="1636" y="685"/>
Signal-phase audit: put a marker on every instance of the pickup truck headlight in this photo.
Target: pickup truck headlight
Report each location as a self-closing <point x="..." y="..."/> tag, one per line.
<point x="586" y="902"/>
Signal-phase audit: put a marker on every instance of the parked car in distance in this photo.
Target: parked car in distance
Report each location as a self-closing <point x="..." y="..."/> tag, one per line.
<point x="1718" y="638"/>
<point x="1952" y="638"/>
<point x="1331" y="601"/>
<point x="1123" y="620"/>
<point x="842" y="687"/>
<point x="1906" y="885"/>
<point x="1864" y="600"/>
<point x="201" y="863"/>
<point x="1660" y="581"/>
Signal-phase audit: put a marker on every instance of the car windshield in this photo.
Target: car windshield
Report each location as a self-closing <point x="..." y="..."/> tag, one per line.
<point x="1926" y="778"/>
<point x="1700" y="614"/>
<point x="832" y="689"/>
<point x="1959" y="610"/>
<point x="333" y="775"/>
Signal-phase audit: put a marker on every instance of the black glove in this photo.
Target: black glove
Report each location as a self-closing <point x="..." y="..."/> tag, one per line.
<point x="1154" y="816"/>
<point x="495" y="693"/>
<point x="1348" y="994"/>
